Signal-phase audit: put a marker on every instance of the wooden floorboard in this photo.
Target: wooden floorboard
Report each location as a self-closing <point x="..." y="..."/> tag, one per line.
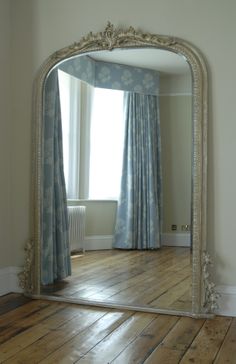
<point x="161" y="279"/>
<point x="7" y="302"/>
<point x="228" y="348"/>
<point x="40" y="331"/>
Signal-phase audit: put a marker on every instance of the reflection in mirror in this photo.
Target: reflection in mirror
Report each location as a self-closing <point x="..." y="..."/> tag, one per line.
<point x="140" y="234"/>
<point x="126" y="127"/>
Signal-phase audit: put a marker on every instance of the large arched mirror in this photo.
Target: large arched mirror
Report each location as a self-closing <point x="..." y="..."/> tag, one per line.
<point x="120" y="151"/>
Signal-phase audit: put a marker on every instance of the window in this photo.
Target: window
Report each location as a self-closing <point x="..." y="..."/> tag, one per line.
<point x="106" y="133"/>
<point x="69" y="88"/>
<point x="93" y="133"/>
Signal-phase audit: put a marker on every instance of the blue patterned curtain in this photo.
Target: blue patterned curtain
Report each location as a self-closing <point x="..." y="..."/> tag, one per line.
<point x="139" y="208"/>
<point x="55" y="252"/>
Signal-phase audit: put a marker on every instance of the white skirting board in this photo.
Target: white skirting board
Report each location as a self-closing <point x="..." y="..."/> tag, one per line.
<point x="227" y="300"/>
<point x="100" y="242"/>
<point x="9" y="281"/>
<point x="176" y="239"/>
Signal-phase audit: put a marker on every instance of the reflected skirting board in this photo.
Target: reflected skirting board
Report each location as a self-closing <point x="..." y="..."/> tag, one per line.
<point x="100" y="242"/>
<point x="176" y="239"/>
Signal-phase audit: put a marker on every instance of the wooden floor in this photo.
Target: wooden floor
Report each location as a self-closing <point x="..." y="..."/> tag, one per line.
<point x="160" y="279"/>
<point x="39" y="331"/>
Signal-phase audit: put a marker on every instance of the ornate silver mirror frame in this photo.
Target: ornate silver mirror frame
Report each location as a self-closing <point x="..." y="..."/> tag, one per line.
<point x="203" y="294"/>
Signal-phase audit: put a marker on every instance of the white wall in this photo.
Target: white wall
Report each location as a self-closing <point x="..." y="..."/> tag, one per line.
<point x="43" y="26"/>
<point x="100" y="216"/>
<point x="5" y="134"/>
<point x="176" y="151"/>
<point x="176" y="84"/>
<point x="22" y="78"/>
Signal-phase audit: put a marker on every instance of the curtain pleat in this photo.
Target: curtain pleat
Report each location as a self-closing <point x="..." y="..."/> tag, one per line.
<point x="55" y="252"/>
<point x="138" y="222"/>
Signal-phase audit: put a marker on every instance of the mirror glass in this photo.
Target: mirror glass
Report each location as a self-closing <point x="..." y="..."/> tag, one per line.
<point x="120" y="174"/>
<point x="94" y="91"/>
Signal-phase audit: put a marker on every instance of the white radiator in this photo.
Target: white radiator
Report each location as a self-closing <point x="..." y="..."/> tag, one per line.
<point x="76" y="215"/>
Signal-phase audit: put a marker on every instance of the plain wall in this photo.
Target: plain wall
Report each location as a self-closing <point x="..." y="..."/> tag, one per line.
<point x="172" y="84"/>
<point x="5" y="134"/>
<point x="100" y="216"/>
<point x="176" y="141"/>
<point x="22" y="75"/>
<point x="41" y="27"/>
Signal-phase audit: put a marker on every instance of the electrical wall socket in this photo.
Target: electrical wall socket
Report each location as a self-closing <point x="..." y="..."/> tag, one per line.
<point x="185" y="227"/>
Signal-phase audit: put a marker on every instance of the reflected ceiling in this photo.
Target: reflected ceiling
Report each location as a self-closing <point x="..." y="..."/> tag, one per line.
<point x="155" y="59"/>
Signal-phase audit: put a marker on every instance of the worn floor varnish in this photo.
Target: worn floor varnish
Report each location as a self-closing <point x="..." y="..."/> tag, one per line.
<point x="39" y="331"/>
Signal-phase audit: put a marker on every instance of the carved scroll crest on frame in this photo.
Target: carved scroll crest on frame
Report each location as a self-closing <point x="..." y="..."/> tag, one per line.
<point x="112" y="38"/>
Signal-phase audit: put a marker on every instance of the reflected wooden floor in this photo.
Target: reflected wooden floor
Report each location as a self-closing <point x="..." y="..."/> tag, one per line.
<point x="160" y="279"/>
<point x="41" y="331"/>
